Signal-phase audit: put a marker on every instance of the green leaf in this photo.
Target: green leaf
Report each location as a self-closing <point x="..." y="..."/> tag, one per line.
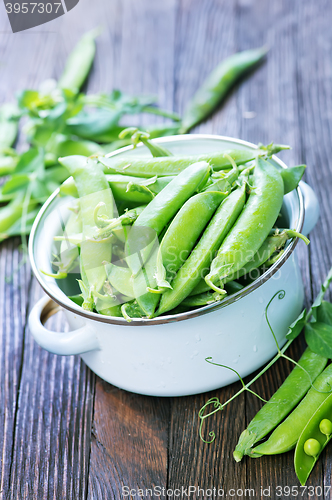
<point x="90" y="126"/>
<point x="291" y="177"/>
<point x="60" y="146"/>
<point x="15" y="183"/>
<point x="31" y="161"/>
<point x="162" y="130"/>
<point x="324" y="313"/>
<point x="39" y="190"/>
<point x="28" y="99"/>
<point x="297" y="326"/>
<point x="319" y="338"/>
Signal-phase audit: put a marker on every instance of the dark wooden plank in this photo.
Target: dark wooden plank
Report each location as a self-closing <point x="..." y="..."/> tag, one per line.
<point x="53" y="422"/>
<point x="315" y="108"/>
<point x="129" y="443"/>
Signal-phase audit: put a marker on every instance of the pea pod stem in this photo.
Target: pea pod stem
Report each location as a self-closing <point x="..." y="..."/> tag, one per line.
<point x="139" y="136"/>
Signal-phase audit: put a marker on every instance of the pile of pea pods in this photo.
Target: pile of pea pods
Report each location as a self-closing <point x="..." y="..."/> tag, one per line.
<point x="167" y="234"/>
<point x="299" y="414"/>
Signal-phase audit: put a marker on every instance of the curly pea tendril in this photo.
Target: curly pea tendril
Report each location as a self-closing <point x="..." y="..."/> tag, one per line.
<point x="218" y="406"/>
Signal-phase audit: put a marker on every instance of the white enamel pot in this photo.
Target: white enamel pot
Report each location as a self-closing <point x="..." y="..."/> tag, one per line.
<point x="166" y="356"/>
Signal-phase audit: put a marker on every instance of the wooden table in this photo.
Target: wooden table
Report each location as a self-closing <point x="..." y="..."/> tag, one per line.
<point x="66" y="434"/>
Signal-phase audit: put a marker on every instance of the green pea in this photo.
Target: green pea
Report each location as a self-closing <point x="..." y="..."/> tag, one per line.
<point x="252" y="227"/>
<point x="311" y="447"/>
<point x="287" y="434"/>
<point x="325" y="427"/>
<point x="79" y="62"/>
<point x="312" y="440"/>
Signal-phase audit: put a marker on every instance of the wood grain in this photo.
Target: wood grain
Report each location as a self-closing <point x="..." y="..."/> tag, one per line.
<point x="129" y="442"/>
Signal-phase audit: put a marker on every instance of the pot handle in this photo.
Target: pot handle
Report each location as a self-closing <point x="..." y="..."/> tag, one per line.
<point x="66" y="343"/>
<point x="311" y="208"/>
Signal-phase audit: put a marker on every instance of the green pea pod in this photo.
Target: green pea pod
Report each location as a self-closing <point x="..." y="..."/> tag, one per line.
<point x="291" y="177"/>
<point x="319" y="429"/>
<point x="143" y="282"/>
<point x="271" y="245"/>
<point x="173" y="165"/>
<point x="120" y="279"/>
<point x="233" y="287"/>
<point x="202" y="299"/>
<point x="79" y="62"/>
<point x="201" y="287"/>
<point x="12" y="212"/>
<point x="69" y="251"/>
<point x="253" y="226"/>
<point x="184" y="232"/>
<point x="198" y="263"/>
<point x="160" y="211"/>
<point x="93" y="188"/>
<point x="119" y="185"/>
<point x="138" y="136"/>
<point x="286" y="435"/>
<point x="218" y="84"/>
<point x="224" y="183"/>
<point x="282" y="402"/>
